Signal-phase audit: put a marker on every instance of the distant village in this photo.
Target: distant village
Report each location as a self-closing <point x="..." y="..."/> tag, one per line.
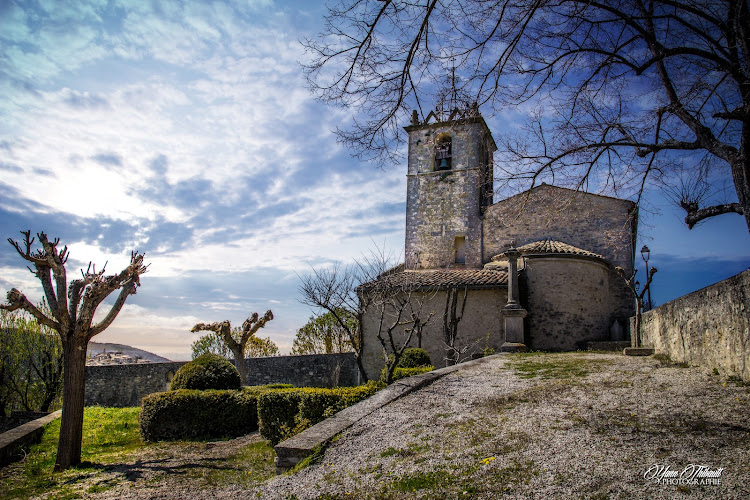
<point x="114" y="358"/>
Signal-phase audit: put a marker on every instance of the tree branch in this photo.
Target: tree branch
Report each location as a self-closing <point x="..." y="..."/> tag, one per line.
<point x="695" y="215"/>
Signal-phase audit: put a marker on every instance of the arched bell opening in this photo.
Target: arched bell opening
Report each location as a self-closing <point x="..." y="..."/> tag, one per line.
<point x="443" y="152"/>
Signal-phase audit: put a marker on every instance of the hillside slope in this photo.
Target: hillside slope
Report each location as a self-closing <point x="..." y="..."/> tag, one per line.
<point x="98" y="347"/>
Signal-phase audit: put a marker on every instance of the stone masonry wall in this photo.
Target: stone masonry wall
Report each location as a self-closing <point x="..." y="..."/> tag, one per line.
<point x="709" y="327"/>
<point x="567" y="301"/>
<point x="595" y="223"/>
<point x="481" y="326"/>
<point x="590" y="222"/>
<point x="443" y="205"/>
<point x="126" y="385"/>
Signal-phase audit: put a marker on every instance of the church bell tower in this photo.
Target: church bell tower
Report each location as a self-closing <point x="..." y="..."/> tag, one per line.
<point x="449" y="185"/>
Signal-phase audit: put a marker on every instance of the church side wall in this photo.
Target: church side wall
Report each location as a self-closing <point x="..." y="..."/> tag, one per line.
<point x="126" y="385"/>
<point x="709" y="327"/>
<point x="481" y="326"/>
<point x="595" y="223"/>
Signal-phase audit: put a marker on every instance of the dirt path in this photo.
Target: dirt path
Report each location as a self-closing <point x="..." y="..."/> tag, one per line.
<point x="541" y="426"/>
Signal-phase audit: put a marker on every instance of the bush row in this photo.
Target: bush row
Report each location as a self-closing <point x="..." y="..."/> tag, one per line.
<point x="399" y="373"/>
<point x="196" y="414"/>
<point x="284" y="413"/>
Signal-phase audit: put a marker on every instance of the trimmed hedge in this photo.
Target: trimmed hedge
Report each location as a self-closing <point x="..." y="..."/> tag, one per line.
<point x="194" y="414"/>
<point x="287" y="412"/>
<point x="208" y="371"/>
<point x="399" y="373"/>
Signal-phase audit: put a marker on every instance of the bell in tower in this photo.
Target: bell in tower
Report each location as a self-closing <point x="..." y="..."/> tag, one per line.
<point x="443" y="151"/>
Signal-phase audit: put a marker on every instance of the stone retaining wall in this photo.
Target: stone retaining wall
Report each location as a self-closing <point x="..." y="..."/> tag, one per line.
<point x="126" y="385"/>
<point x="709" y="327"/>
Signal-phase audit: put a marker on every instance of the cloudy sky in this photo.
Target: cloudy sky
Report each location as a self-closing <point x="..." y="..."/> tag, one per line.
<point x="184" y="129"/>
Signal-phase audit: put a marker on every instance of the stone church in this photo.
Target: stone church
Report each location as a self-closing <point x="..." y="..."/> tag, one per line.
<point x="554" y="249"/>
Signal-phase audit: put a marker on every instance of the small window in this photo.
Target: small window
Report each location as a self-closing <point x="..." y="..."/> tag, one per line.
<point x="443" y="152"/>
<point x="460" y="247"/>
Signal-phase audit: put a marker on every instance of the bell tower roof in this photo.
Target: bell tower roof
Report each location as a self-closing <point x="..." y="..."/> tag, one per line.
<point x="439" y="118"/>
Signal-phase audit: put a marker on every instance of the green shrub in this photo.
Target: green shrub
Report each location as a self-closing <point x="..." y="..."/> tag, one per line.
<point x="287" y="412"/>
<point x="414" y="357"/>
<point x="262" y="389"/>
<point x="194" y="414"/>
<point x="209" y="371"/>
<point x="399" y="373"/>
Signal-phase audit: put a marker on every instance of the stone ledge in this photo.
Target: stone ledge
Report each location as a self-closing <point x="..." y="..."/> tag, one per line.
<point x="638" y="351"/>
<point x="12" y="441"/>
<point x="290" y="452"/>
<point x="607" y="345"/>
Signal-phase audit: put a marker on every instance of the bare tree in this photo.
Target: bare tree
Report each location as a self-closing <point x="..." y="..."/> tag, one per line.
<point x="336" y="289"/>
<point x="638" y="293"/>
<point x="625" y="93"/>
<point x="399" y="312"/>
<point x="452" y="316"/>
<point x="322" y="334"/>
<point x="237" y="344"/>
<point x="71" y="315"/>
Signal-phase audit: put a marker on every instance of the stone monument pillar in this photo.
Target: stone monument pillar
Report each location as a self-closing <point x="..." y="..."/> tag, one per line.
<point x="513" y="313"/>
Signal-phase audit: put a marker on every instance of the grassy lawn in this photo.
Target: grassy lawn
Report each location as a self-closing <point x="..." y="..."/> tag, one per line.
<point x="113" y="452"/>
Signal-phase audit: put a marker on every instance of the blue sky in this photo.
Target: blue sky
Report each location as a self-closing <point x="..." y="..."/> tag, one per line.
<point x="185" y="130"/>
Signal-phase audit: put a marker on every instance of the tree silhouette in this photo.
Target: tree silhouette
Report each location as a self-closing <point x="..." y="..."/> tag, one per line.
<point x="620" y="95"/>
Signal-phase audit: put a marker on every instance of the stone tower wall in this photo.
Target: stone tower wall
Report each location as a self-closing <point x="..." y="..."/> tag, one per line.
<point x="443" y="205"/>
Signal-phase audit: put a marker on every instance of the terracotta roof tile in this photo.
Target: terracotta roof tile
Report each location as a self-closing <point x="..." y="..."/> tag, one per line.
<point x="441" y="278"/>
<point x="550" y="247"/>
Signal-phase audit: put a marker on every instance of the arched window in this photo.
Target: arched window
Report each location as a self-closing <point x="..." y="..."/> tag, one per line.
<point x="443" y="153"/>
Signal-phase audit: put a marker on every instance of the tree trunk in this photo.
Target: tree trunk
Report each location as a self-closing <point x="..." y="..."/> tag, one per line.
<point x="74" y="389"/>
<point x="239" y="362"/>
<point x="638" y="308"/>
<point x="358" y="358"/>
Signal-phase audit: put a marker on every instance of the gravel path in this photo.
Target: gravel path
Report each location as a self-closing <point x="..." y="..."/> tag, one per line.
<point x="580" y="426"/>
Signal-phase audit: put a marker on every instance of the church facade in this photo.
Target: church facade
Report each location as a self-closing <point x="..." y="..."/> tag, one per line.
<point x="450" y="294"/>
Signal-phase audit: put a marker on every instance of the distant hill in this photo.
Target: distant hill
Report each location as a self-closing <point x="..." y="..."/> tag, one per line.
<point x="97" y="347"/>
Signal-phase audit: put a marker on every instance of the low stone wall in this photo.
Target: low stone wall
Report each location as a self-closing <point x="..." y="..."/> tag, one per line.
<point x="709" y="327"/>
<point x="126" y="385"/>
<point x="16" y="440"/>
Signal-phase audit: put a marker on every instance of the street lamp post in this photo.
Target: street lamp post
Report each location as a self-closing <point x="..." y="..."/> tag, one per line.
<point x="645" y="253"/>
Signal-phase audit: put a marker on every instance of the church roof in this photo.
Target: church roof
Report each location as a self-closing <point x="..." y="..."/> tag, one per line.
<point x="440" y="278"/>
<point x="548" y="246"/>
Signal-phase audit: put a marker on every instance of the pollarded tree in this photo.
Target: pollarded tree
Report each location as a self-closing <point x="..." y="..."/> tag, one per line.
<point x="213" y="343"/>
<point x="72" y="308"/>
<point x="621" y="94"/>
<point x="237" y="344"/>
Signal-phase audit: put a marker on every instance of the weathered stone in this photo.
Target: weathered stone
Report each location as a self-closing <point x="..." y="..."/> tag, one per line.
<point x="709" y="327"/>
<point x="14" y="440"/>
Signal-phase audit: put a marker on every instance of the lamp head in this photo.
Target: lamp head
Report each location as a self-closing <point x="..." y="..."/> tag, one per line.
<point x="645" y="253"/>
